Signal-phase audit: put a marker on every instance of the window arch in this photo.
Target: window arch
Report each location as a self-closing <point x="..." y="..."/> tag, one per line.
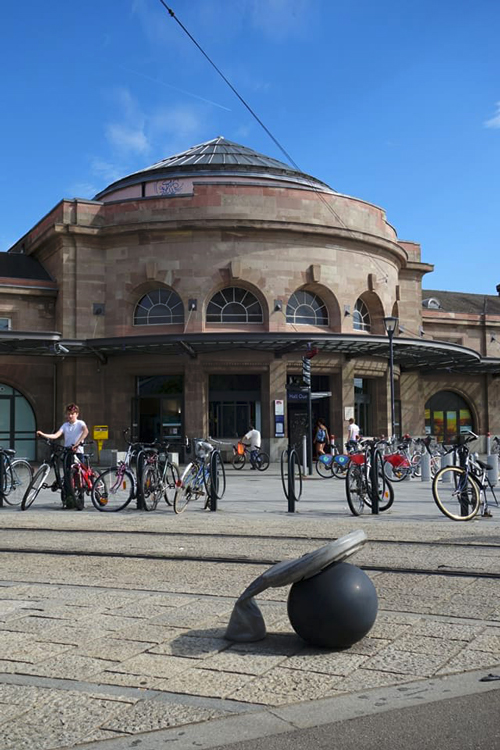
<point x="159" y="307"/>
<point x="361" y="317"/>
<point x="234" y="305"/>
<point x="306" y="308"/>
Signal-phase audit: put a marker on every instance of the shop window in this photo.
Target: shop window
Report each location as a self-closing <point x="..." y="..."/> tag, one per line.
<point x="234" y="305"/>
<point x="447" y="416"/>
<point x="306" y="308"/>
<point x="234" y="404"/>
<point x="361" y="317"/>
<point x="5" y="324"/>
<point x="159" y="307"/>
<point x="17" y="423"/>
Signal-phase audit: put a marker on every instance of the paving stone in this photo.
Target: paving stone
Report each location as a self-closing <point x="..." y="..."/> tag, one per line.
<point x="468" y="660"/>
<point x="31" y="624"/>
<point x="215" y="684"/>
<point x="68" y="666"/>
<point x="145" y="631"/>
<point x="280" y="644"/>
<point x="368" y="646"/>
<point x="192" y="647"/>
<point x="280" y="686"/>
<point x="113" y="649"/>
<point x="392" y="660"/>
<point x="367" y="679"/>
<point x="154" y="665"/>
<point x="448" y="630"/>
<point x="143" y="682"/>
<point x="421" y="644"/>
<point x="65" y="633"/>
<point x="34" y="651"/>
<point x="243" y="662"/>
<point x="489" y="640"/>
<point x="147" y="716"/>
<point x="116" y="622"/>
<point x="326" y="662"/>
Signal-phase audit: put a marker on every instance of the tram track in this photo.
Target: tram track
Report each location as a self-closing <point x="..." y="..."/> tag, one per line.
<point x="138" y="533"/>
<point x="442" y="570"/>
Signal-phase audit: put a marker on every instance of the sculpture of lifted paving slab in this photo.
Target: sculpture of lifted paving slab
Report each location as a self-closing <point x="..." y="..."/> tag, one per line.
<point x="331" y="603"/>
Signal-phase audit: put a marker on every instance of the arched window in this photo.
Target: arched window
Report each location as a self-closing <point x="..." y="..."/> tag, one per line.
<point x="447" y="415"/>
<point x="159" y="307"/>
<point x="361" y="317"/>
<point x="306" y="308"/>
<point x="234" y="305"/>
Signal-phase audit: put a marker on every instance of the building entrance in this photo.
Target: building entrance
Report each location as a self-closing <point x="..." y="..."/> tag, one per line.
<point x="362" y="405"/>
<point x="235" y="403"/>
<point x="158" y="408"/>
<point x="17" y="423"/>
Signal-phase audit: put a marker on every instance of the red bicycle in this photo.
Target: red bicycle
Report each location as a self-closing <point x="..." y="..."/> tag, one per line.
<point x="80" y="480"/>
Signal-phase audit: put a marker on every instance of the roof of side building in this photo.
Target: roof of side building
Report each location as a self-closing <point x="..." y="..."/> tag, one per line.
<point x="19" y="266"/>
<point x="463" y="302"/>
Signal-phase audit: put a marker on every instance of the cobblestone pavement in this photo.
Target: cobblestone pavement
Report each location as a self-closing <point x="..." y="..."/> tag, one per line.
<point x="112" y="625"/>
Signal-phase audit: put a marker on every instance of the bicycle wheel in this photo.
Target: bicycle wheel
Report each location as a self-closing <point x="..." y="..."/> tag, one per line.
<point x="185" y="491"/>
<point x="112" y="490"/>
<point x="416" y="464"/>
<point x="324" y="466"/>
<point x="261" y="461"/>
<point x="20" y="474"/>
<point x="35" y="486"/>
<point x="151" y="487"/>
<point x="217" y="469"/>
<point x="383" y="487"/>
<point x="356" y="489"/>
<point x="340" y="465"/>
<point x="171" y="479"/>
<point x="456" y="493"/>
<point x="239" y="460"/>
<point x="396" y="473"/>
<point x="75" y="489"/>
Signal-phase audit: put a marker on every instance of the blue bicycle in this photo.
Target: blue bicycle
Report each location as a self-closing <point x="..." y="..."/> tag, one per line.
<point x="203" y="476"/>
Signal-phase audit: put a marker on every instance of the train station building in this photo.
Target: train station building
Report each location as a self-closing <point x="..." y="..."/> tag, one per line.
<point x="181" y="300"/>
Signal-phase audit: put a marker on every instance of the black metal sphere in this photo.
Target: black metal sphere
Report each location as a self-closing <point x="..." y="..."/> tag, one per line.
<point x="334" y="608"/>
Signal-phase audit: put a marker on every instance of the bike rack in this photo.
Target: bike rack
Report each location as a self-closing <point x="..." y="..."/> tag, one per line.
<point x="291" y="457"/>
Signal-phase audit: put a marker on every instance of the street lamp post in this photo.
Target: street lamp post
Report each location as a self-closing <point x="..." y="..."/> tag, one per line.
<point x="391" y="324"/>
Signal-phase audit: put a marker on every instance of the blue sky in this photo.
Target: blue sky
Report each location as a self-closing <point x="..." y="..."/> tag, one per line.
<point x="394" y="102"/>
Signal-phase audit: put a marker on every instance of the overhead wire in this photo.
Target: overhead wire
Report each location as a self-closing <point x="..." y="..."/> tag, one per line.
<point x="316" y="189"/>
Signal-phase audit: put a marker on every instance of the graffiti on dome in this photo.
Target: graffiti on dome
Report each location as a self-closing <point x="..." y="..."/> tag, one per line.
<point x="168" y="187"/>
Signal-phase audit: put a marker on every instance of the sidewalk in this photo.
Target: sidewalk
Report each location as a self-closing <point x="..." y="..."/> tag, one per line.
<point x="112" y="624"/>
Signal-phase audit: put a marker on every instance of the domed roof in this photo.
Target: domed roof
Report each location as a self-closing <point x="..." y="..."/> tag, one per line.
<point x="214" y="157"/>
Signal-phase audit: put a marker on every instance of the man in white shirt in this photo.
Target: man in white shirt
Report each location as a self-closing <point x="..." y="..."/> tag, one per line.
<point x="252" y="439"/>
<point x="74" y="430"/>
<point x="352" y="433"/>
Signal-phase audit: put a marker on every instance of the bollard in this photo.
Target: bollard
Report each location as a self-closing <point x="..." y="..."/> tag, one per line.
<point x="447" y="460"/>
<point x="304" y="453"/>
<point x="493" y="472"/>
<point x="488" y="444"/>
<point x="426" y="467"/>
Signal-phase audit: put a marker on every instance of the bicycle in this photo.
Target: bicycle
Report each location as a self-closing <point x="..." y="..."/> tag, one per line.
<point x="55" y="463"/>
<point x="121" y="483"/>
<point x="401" y="463"/>
<point x="366" y="480"/>
<point x="160" y="476"/>
<point x="205" y="474"/>
<point x="460" y="491"/>
<point x="82" y="479"/>
<point x="16" y="476"/>
<point x="257" y="458"/>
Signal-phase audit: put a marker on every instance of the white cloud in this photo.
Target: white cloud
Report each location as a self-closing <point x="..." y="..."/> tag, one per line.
<point x="494" y="122"/>
<point x="127" y="138"/>
<point x="127" y="133"/>
<point x="280" y="19"/>
<point x="82" y="190"/>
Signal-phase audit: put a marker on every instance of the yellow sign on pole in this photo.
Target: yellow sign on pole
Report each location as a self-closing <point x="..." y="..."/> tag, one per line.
<point x="100" y="434"/>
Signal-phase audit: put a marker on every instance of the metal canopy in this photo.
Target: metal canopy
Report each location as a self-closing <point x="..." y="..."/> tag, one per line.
<point x="408" y="353"/>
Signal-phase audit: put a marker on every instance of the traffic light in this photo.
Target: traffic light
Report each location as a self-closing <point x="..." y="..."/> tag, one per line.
<point x="306" y="371"/>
